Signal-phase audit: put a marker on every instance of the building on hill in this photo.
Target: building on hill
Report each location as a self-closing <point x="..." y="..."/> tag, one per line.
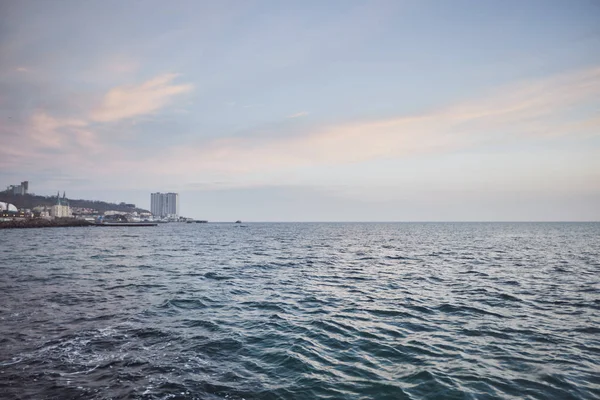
<point x="21" y="189"/>
<point x="61" y="209"/>
<point x="164" y="205"/>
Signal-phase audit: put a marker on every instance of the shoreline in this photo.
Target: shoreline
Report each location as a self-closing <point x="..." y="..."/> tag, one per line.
<point x="44" y="223"/>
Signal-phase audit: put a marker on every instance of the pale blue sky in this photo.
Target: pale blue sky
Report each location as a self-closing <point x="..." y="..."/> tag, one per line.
<point x="313" y="110"/>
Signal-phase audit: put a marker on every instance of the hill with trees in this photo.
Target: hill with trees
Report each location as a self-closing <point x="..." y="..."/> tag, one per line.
<point x="29" y="201"/>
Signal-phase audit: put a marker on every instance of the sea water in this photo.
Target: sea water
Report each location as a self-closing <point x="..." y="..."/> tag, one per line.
<point x="301" y="311"/>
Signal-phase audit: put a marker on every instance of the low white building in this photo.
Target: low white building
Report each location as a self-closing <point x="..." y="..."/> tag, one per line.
<point x="60" y="211"/>
<point x="43" y="211"/>
<point x="113" y="212"/>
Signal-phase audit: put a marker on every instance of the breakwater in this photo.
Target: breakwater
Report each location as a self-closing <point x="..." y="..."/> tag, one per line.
<point x="43" y="223"/>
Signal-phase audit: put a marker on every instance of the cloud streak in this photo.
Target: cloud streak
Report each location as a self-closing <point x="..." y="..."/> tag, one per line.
<point x="530" y="110"/>
<point x="49" y="132"/>
<point x="557" y="106"/>
<point x="298" y="115"/>
<point x="65" y="142"/>
<point x="130" y="101"/>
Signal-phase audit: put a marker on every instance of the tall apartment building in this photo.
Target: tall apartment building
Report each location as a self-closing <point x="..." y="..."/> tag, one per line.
<point x="164" y="204"/>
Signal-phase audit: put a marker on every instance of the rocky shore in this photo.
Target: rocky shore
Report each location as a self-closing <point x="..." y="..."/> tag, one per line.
<point x="43" y="223"/>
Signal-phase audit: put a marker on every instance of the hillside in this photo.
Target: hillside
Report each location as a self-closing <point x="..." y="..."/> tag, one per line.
<point x="31" y="201"/>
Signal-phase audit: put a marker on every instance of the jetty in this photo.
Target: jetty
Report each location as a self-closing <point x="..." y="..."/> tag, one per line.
<point x="64" y="223"/>
<point x="126" y="224"/>
<point x="44" y="223"/>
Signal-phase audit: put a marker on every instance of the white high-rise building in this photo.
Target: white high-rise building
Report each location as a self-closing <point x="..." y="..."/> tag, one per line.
<point x="164" y="204"/>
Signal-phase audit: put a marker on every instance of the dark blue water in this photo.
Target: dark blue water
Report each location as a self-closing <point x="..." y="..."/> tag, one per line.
<point x="301" y="311"/>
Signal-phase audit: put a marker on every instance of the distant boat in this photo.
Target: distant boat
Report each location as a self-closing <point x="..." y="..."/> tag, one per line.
<point x="238" y="221"/>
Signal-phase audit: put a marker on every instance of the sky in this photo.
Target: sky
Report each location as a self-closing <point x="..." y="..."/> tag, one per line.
<point x="401" y="110"/>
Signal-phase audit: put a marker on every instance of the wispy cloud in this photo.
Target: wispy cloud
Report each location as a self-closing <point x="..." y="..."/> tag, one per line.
<point x="129" y="101"/>
<point x="22" y="69"/>
<point x="60" y="140"/>
<point x="46" y="131"/>
<point x="298" y="115"/>
<point x="525" y="111"/>
<point x="56" y="143"/>
<point x="538" y="110"/>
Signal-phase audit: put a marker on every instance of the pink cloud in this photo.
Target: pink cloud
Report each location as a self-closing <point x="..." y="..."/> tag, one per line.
<point x="45" y="130"/>
<point x="527" y="110"/>
<point x="49" y="141"/>
<point x="532" y="110"/>
<point x="129" y="101"/>
<point x="58" y="141"/>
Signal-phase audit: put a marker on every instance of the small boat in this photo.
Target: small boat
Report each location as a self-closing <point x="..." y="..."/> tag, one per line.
<point x="238" y="221"/>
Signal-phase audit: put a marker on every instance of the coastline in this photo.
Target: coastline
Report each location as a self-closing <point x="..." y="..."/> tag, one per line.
<point x="44" y="223"/>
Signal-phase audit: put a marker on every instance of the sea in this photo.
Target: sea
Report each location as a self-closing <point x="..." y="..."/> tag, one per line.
<point x="301" y="311"/>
